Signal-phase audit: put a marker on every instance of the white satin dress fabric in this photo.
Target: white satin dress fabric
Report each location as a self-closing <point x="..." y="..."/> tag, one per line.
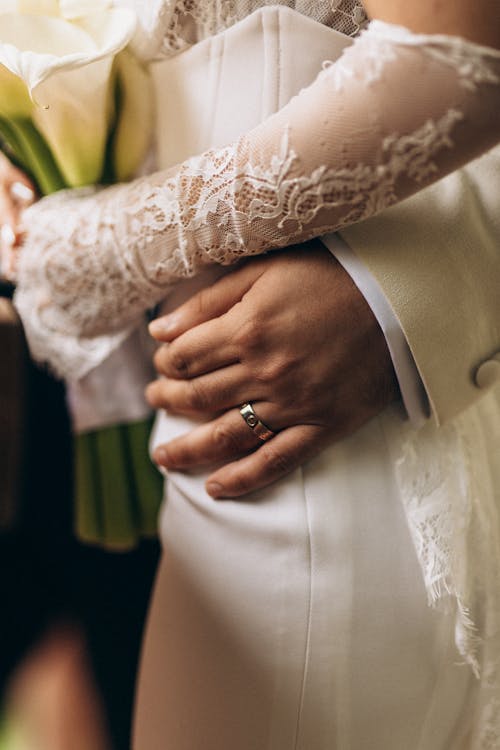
<point x="295" y="618"/>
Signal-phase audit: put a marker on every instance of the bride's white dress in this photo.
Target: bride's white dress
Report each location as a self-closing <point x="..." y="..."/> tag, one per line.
<point x="296" y="618"/>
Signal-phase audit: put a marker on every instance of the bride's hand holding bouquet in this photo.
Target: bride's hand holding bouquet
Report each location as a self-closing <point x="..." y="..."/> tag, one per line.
<point x="16" y="193"/>
<point x="75" y="110"/>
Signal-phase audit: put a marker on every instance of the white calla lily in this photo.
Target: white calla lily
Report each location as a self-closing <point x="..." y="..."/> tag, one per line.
<point x="67" y="68"/>
<point x="71" y="9"/>
<point x="15" y="101"/>
<point x="40" y="7"/>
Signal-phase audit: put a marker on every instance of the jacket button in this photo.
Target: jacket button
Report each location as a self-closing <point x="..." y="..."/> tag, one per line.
<point x="488" y="373"/>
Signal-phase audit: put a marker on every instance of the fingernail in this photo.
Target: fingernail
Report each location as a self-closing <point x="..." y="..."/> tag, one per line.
<point x="215" y="490"/>
<point x="8" y="235"/>
<point x="163" y="326"/>
<point x="23" y="193"/>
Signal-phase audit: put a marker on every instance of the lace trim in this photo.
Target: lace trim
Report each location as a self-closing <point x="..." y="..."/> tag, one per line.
<point x="188" y="21"/>
<point x="258" y="206"/>
<point x="117" y="251"/>
<point x="449" y="481"/>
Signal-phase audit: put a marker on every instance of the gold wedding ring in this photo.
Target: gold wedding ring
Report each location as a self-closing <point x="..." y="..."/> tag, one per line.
<point x="261" y="430"/>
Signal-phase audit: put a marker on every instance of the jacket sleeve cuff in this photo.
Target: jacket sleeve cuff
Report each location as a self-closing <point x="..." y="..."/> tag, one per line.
<point x="412" y="390"/>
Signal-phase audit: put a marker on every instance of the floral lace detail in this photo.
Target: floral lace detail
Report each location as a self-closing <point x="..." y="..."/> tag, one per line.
<point x="413" y="154"/>
<point x="186" y="22"/>
<point x="215" y="209"/>
<point x="85" y="281"/>
<point x="451" y="494"/>
<point x="294" y="177"/>
<point x="472" y="63"/>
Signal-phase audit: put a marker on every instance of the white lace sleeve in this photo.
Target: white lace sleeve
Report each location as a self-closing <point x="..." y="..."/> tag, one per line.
<point x="394" y="114"/>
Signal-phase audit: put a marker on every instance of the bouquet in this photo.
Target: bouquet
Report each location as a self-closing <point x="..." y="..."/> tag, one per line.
<point x="76" y="110"/>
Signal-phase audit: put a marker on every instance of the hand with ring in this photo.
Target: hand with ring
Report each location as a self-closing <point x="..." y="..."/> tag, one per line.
<point x="286" y="340"/>
<point x="16" y="193"/>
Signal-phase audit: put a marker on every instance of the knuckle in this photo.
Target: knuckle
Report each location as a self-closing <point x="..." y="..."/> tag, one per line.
<point x="177" y="365"/>
<point x="275" y="369"/>
<point x="225" y="439"/>
<point x="249" y="334"/>
<point x="197" y="398"/>
<point x="171" y="362"/>
<point x="276" y="463"/>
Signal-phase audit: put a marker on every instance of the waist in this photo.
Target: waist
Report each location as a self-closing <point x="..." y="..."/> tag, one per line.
<point x="209" y="94"/>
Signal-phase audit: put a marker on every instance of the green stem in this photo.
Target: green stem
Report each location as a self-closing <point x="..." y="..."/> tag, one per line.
<point x="38" y="156"/>
<point x="147" y="479"/>
<point x="88" y="510"/>
<point x="115" y="483"/>
<point x="14" y="147"/>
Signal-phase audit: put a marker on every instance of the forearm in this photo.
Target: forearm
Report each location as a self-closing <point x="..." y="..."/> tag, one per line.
<point x="356" y="141"/>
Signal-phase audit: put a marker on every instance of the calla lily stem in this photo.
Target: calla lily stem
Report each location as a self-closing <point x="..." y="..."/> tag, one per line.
<point x="30" y="148"/>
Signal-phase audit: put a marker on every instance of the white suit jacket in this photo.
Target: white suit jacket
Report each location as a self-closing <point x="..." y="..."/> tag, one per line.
<point x="436" y="256"/>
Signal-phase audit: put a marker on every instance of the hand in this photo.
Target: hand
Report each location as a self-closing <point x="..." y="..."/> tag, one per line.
<point x="16" y="193"/>
<point x="289" y="332"/>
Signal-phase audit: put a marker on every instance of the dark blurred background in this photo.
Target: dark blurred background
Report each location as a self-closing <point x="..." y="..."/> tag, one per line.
<point x="47" y="578"/>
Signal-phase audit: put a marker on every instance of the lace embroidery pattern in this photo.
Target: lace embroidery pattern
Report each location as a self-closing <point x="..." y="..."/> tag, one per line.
<point x="189" y="21"/>
<point x="257" y="207"/>
<point x="85" y="282"/>
<point x="451" y="496"/>
<point x="250" y="197"/>
<point x="473" y="64"/>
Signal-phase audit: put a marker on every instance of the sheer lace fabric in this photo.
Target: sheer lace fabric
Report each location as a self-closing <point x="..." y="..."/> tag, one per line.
<point x="168" y="27"/>
<point x="450" y="485"/>
<point x="191" y="21"/>
<point x="357" y="140"/>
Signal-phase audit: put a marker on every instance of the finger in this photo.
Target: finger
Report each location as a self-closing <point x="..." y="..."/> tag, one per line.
<point x="9" y="238"/>
<point x="222" y="439"/>
<point x="22" y="191"/>
<point x="18" y="184"/>
<point x="209" y="303"/>
<point x="273" y="460"/>
<point x="201" y="350"/>
<point x="207" y="394"/>
<point x="8" y="262"/>
<point x="9" y="218"/>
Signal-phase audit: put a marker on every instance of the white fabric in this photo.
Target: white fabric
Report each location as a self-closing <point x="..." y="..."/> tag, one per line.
<point x="113" y="393"/>
<point x="167" y="26"/>
<point x="453" y="524"/>
<point x="304" y="171"/>
<point x="297" y="618"/>
<point x="447" y="478"/>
